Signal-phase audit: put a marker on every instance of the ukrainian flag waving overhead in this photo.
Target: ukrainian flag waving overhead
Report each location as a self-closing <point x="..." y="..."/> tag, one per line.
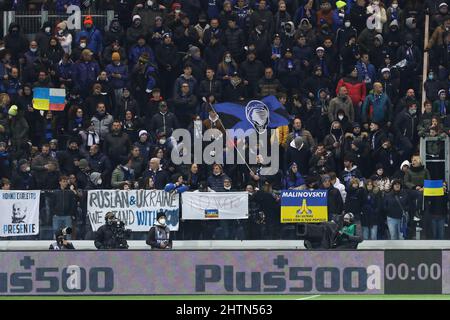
<point x="53" y="99"/>
<point x="304" y="206"/>
<point x="433" y="188"/>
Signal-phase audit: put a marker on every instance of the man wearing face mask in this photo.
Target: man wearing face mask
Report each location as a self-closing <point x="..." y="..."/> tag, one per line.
<point x="159" y="234"/>
<point x="94" y="36"/>
<point x="405" y="126"/>
<point x="344" y="33"/>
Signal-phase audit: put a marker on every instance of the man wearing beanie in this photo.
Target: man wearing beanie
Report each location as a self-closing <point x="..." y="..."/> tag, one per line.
<point x="93" y="35"/>
<point x="117" y="74"/>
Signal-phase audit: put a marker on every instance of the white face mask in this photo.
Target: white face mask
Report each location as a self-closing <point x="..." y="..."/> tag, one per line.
<point x="162" y="141"/>
<point x="227" y="188"/>
<point x="83" y="45"/>
<point x="340" y="117"/>
<point x="150" y="3"/>
<point x="33" y="49"/>
<point x="228" y="60"/>
<point x="162" y="221"/>
<point x="28" y="169"/>
<point x="347" y="24"/>
<point x="47" y="29"/>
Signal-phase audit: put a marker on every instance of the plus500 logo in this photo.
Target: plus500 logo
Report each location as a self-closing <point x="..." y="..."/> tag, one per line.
<point x="297" y="279"/>
<point x="72" y="279"/>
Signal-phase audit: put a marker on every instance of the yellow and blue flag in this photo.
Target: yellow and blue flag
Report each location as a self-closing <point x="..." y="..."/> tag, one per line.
<point x="53" y="99"/>
<point x="304" y="206"/>
<point x="433" y="188"/>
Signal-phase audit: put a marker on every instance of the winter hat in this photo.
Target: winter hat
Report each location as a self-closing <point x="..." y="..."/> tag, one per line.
<point x="405" y="163"/>
<point x="320" y="48"/>
<point x="21" y="162"/>
<point x="385" y="70"/>
<point x="136" y="16"/>
<point x="443" y="4"/>
<point x="298" y="141"/>
<point x="379" y="37"/>
<point x="340" y="4"/>
<point x="83" y="164"/>
<point x="441" y="92"/>
<point x="193" y="49"/>
<point x="356" y="125"/>
<point x="142" y="132"/>
<point x="13" y="110"/>
<point x="115" y="56"/>
<point x="394" y="23"/>
<point x="161" y="213"/>
<point x="88" y="20"/>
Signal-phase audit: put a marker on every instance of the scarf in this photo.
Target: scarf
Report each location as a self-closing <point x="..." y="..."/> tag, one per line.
<point x="92" y="138"/>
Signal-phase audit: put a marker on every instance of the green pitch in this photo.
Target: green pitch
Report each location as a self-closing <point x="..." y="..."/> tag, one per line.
<point x="240" y="297"/>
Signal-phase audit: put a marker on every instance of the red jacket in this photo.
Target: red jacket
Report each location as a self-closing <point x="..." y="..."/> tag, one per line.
<point x="356" y="90"/>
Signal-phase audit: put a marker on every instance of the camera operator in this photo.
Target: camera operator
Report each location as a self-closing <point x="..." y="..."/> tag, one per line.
<point x="159" y="234"/>
<point x="112" y="234"/>
<point x="61" y="240"/>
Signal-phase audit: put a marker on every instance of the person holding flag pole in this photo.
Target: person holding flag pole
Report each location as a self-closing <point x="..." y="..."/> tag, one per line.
<point x="435" y="205"/>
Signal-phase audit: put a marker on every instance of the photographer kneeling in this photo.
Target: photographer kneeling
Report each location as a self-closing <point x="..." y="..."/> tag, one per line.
<point x="61" y="240"/>
<point x="112" y="235"/>
<point x="159" y="234"/>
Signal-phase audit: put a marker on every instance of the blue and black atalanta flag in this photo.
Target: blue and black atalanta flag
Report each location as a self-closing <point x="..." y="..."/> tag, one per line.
<point x="258" y="115"/>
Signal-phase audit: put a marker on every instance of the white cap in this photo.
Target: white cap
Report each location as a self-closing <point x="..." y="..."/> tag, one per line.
<point x="320" y="48"/>
<point x="136" y="16"/>
<point x="443" y="4"/>
<point x="142" y="132"/>
<point x="405" y="163"/>
<point x="385" y="70"/>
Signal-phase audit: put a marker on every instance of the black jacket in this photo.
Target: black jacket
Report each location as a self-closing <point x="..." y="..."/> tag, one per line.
<point x="63" y="202"/>
<point x="392" y="207"/>
<point x="167" y="122"/>
<point x="104" y="238"/>
<point x="210" y="87"/>
<point x="157" y="235"/>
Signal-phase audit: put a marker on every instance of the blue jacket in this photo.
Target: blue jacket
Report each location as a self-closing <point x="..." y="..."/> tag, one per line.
<point x="84" y="75"/>
<point x="136" y="51"/>
<point x="94" y="39"/>
<point x="376" y="108"/>
<point x="65" y="70"/>
<point x="289" y="183"/>
<point x="362" y="73"/>
<point x="10" y="86"/>
<point x="120" y="69"/>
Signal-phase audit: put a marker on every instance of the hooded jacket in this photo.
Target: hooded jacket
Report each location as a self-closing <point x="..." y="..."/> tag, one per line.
<point x="300" y="156"/>
<point x="17" y="44"/>
<point x="337" y="104"/>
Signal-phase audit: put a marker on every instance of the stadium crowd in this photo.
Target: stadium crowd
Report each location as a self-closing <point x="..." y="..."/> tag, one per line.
<point x="349" y="73"/>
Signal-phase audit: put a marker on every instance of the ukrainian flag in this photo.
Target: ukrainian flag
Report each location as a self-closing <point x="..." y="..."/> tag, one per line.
<point x="53" y="99"/>
<point x="304" y="206"/>
<point x="433" y="188"/>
